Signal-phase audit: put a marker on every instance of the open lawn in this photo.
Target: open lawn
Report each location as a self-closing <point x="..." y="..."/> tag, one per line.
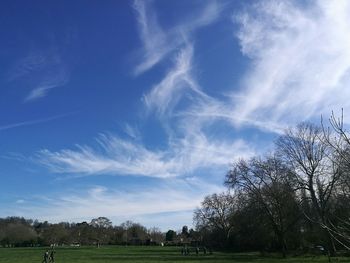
<point x="141" y="254"/>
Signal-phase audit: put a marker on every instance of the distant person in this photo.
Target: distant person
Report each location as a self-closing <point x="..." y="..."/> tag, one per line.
<point x="46" y="257"/>
<point x="187" y="250"/>
<point x="197" y="251"/>
<point x="52" y="256"/>
<point x="183" y="251"/>
<point x="204" y="250"/>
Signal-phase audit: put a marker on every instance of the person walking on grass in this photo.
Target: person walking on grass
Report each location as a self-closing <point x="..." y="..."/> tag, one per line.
<point x="52" y="256"/>
<point x="46" y="257"/>
<point x="204" y="250"/>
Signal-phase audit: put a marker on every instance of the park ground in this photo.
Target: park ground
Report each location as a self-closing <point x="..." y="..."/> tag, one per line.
<point x="145" y="254"/>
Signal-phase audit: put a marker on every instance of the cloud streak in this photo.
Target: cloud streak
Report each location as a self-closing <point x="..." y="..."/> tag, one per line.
<point x="189" y="147"/>
<point x="121" y="157"/>
<point x="300" y="61"/>
<point x="32" y="122"/>
<point x="158" y="43"/>
<point x="42" y="71"/>
<point x="299" y="67"/>
<point x="178" y="197"/>
<point x="164" y="96"/>
<point x="50" y="82"/>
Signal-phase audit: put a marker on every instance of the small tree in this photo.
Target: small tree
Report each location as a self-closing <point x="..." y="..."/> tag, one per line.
<point x="215" y="214"/>
<point x="184" y="231"/>
<point x="170" y="235"/>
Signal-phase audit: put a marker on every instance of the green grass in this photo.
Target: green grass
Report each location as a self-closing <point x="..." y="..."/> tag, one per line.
<point x="142" y="254"/>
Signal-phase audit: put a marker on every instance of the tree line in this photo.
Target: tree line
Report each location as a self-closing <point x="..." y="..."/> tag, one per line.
<point x="296" y="197"/>
<point x="19" y="232"/>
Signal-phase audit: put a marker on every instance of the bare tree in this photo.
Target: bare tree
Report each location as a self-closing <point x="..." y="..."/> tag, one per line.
<point x="338" y="139"/>
<point x="311" y="159"/>
<point x="101" y="222"/>
<point x="268" y="183"/>
<point x="156" y="235"/>
<point x="216" y="213"/>
<point x="101" y="226"/>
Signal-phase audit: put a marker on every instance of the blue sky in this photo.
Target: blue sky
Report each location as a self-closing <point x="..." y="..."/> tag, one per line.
<point x="134" y="110"/>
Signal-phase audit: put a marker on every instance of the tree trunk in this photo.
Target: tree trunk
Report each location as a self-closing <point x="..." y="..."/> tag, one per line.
<point x="283" y="245"/>
<point x="330" y="244"/>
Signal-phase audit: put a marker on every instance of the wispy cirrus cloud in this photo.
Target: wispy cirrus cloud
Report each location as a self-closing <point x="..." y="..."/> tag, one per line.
<point x="153" y="37"/>
<point x="299" y="66"/>
<point x="189" y="147"/>
<point x="32" y="122"/>
<point x="300" y="61"/>
<point x="34" y="61"/>
<point x="175" y="196"/>
<point x="59" y="79"/>
<point x="116" y="156"/>
<point x="159" y="42"/>
<point x="178" y="81"/>
<point x="42" y="71"/>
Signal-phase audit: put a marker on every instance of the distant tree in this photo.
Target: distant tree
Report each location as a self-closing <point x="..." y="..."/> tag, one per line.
<point x="156" y="235"/>
<point x="137" y="234"/>
<point x="101" y="222"/>
<point x="170" y="235"/>
<point x="101" y="230"/>
<point x="117" y="235"/>
<point x="18" y="234"/>
<point x="184" y="231"/>
<point x="55" y="234"/>
<point x="126" y="226"/>
<point x="215" y="214"/>
<point x="134" y="233"/>
<point x="194" y="235"/>
<point x="16" y="231"/>
<point x="82" y="233"/>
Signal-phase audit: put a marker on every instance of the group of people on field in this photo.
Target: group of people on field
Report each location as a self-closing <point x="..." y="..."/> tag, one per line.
<point x="186" y="250"/>
<point x="49" y="256"/>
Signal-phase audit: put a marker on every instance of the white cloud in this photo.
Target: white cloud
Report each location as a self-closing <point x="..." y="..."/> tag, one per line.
<point x="299" y="68"/>
<point x="177" y="82"/>
<point x="158" y="42"/>
<point x="300" y="61"/>
<point x="35" y="61"/>
<point x="57" y="80"/>
<point x="41" y="71"/>
<point x="189" y="147"/>
<point x="178" y="197"/>
<point x="122" y="157"/>
<point x="152" y="36"/>
<point x="116" y="156"/>
<point x="132" y="131"/>
<point x="32" y="122"/>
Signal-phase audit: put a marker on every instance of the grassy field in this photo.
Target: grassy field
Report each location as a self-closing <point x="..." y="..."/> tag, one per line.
<point x="141" y="254"/>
